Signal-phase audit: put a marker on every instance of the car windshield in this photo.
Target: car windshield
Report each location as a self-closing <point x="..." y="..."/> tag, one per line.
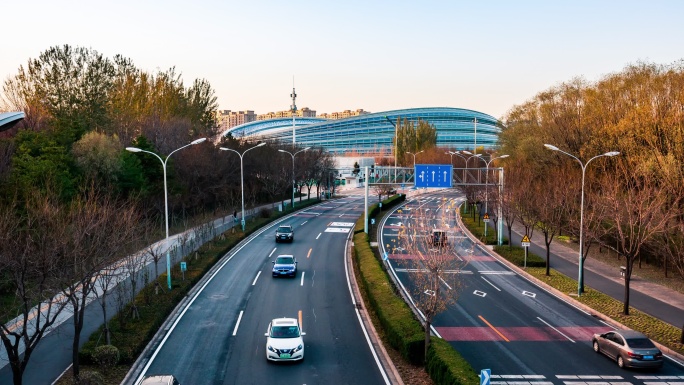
<point x="285" y="332"/>
<point x="284" y="229"/>
<point x="640" y="343"/>
<point x="284" y="261"/>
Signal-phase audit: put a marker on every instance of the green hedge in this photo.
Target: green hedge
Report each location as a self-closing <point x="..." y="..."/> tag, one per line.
<point x="446" y="366"/>
<point x="403" y="331"/>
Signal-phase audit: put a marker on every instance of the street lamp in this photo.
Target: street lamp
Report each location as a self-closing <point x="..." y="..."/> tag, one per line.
<point x="451" y="160"/>
<point x="471" y="155"/>
<point x="414" y="156"/>
<point x="580" y="279"/>
<point x="487" y="186"/>
<point x="293" y="173"/>
<point x="242" y="177"/>
<point x="166" y="199"/>
<point x="396" y="146"/>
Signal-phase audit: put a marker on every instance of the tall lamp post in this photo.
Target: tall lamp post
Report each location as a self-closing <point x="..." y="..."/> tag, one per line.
<point x="414" y="156"/>
<point x="487" y="185"/>
<point x="166" y="200"/>
<point x="580" y="279"/>
<point x="396" y="147"/>
<point x="242" y="177"/>
<point x="293" y="169"/>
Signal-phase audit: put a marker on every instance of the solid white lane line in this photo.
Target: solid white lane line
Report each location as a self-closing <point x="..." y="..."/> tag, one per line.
<point x="274" y="249"/>
<point x="319" y="234"/>
<point x="237" y="323"/>
<point x="559" y="332"/>
<point x="257" y="277"/>
<point x="303" y="223"/>
<point x="444" y="282"/>
<point x="302" y="283"/>
<point x="491" y="284"/>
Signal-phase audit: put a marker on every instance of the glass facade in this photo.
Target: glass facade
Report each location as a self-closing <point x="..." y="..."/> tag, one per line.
<point x="372" y="134"/>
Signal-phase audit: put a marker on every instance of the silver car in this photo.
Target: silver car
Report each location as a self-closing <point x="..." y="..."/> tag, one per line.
<point x="630" y="349"/>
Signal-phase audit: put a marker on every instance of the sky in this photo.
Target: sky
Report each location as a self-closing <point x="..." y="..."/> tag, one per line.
<point x="486" y="56"/>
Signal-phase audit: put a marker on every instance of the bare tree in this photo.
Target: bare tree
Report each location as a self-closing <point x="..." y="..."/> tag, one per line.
<point x="550" y="208"/>
<point x="636" y="209"/>
<point x="30" y="260"/>
<point x="433" y="263"/>
<point x="98" y="231"/>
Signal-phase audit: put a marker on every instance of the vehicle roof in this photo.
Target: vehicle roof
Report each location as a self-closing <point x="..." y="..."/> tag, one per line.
<point x="157" y="380"/>
<point x="284" y="322"/>
<point x="285" y="255"/>
<point x="631" y="334"/>
<point x="285" y="226"/>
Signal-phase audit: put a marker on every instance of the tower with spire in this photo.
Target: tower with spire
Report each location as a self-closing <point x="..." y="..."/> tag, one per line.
<point x="293" y="108"/>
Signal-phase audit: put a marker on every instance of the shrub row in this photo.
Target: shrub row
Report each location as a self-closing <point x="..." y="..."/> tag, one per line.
<point x="403" y="331"/>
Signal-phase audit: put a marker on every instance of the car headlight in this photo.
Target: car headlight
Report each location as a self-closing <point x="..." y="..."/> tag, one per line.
<point x="300" y="347"/>
<point x="271" y="349"/>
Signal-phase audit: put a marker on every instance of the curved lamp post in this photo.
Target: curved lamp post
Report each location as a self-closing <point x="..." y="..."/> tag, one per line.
<point x="166" y="199"/>
<point x="414" y="156"/>
<point x="242" y="178"/>
<point x="580" y="279"/>
<point x="451" y="160"/>
<point x="293" y="170"/>
<point x="487" y="185"/>
<point x="396" y="147"/>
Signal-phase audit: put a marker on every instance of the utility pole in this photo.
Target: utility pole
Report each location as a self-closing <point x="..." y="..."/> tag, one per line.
<point x="293" y="108"/>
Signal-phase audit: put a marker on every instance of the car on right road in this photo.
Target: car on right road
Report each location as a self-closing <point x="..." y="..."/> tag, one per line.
<point x="629" y="348"/>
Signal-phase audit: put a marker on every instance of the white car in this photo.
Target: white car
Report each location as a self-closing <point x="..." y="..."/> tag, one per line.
<point x="284" y="340"/>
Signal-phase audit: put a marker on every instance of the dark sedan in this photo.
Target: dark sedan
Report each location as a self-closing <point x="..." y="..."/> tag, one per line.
<point x="285" y="265"/>
<point x="284" y="233"/>
<point x="630" y="349"/>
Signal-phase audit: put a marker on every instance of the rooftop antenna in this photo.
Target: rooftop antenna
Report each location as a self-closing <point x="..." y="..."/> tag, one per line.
<point x="293" y="108"/>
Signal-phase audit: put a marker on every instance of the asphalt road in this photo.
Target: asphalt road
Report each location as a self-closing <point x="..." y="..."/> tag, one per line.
<point x="219" y="338"/>
<point x="503" y="322"/>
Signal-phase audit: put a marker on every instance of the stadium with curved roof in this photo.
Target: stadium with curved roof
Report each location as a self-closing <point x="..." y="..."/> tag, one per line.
<point x="10" y="119"/>
<point x="372" y="134"/>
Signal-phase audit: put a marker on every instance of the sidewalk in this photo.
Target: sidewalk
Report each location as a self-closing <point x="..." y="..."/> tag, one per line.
<point x="651" y="298"/>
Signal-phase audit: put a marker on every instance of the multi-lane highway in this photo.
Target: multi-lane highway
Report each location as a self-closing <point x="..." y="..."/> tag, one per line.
<point x="219" y="338"/>
<point x="504" y="322"/>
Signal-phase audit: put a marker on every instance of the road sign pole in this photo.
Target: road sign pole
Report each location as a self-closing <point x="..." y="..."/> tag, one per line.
<point x="526" y="244"/>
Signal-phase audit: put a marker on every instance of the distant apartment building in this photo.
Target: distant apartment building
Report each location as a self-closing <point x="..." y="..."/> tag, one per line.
<point x="227" y="119"/>
<point x="343" y="114"/>
<point x="305" y="112"/>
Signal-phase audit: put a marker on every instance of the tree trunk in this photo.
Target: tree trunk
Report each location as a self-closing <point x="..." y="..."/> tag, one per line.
<point x="427" y="339"/>
<point x="628" y="276"/>
<point x="548" y="253"/>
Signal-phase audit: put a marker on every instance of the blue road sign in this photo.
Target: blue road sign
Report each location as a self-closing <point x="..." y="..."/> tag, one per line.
<point x="385" y="256"/>
<point x="433" y="175"/>
<point x="485" y="375"/>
